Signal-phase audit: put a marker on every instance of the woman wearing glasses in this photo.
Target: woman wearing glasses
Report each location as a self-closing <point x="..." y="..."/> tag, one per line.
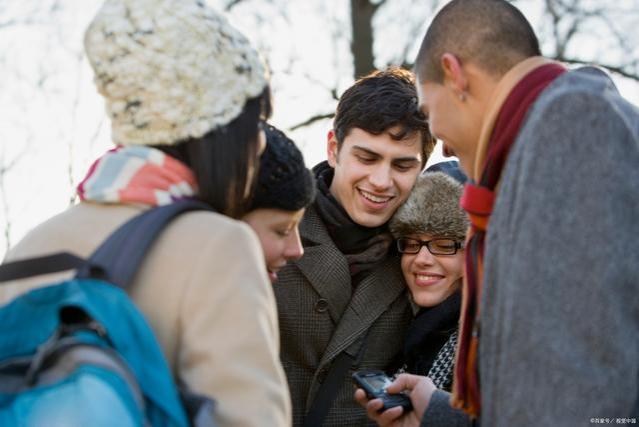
<point x="430" y="229"/>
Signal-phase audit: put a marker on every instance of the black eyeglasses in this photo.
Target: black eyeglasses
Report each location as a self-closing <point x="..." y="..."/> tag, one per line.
<point x="406" y="245"/>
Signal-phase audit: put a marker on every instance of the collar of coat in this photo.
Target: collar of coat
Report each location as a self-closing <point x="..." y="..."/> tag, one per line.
<point x="352" y="310"/>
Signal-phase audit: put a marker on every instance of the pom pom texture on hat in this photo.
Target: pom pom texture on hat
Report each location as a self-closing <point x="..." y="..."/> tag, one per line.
<point x="170" y="69"/>
<point x="432" y="208"/>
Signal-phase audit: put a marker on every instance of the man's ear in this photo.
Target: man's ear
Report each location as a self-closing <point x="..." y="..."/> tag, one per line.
<point x="454" y="75"/>
<point x="331" y="148"/>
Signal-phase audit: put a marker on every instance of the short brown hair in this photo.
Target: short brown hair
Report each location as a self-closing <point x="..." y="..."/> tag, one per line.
<point x="493" y="34"/>
<point x="380" y="101"/>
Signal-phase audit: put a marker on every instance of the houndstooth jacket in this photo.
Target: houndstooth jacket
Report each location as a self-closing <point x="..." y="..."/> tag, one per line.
<point x="321" y="315"/>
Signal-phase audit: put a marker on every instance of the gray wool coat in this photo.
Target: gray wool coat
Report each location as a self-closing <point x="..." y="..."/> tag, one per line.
<point x="321" y="315"/>
<point x="560" y="306"/>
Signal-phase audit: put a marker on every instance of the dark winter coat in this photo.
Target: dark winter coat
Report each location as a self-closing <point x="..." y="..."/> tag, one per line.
<point x="321" y="314"/>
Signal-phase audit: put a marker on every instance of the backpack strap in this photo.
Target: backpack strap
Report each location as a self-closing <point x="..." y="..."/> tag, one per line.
<point x="47" y="264"/>
<point x="334" y="379"/>
<point x="328" y="390"/>
<point x="118" y="258"/>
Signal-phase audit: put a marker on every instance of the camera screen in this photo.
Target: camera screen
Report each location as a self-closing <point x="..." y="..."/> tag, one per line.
<point x="378" y="382"/>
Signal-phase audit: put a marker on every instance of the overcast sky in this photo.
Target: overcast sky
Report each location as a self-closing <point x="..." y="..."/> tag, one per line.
<point x="54" y="124"/>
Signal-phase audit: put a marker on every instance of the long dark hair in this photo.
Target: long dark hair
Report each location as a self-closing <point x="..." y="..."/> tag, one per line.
<point x="225" y="160"/>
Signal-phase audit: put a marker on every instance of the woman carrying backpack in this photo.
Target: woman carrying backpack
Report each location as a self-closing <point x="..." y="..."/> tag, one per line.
<point x="186" y="94"/>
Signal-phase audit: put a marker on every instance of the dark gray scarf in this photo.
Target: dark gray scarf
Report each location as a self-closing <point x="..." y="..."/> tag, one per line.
<point x="363" y="247"/>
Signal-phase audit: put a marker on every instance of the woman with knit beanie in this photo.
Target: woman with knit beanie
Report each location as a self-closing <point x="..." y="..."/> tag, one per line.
<point x="185" y="93"/>
<point x="430" y="229"/>
<point x="285" y="187"/>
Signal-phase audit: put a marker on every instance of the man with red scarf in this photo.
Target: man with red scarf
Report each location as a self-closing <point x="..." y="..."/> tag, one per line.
<point x="549" y="320"/>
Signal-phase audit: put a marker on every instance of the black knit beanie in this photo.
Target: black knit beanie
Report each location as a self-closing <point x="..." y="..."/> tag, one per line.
<point x="284" y="182"/>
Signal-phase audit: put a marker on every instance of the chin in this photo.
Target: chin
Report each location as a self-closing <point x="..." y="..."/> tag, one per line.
<point x="427" y="301"/>
<point x="370" y="221"/>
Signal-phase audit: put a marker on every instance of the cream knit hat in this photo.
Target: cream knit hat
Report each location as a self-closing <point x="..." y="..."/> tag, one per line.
<point x="170" y="69"/>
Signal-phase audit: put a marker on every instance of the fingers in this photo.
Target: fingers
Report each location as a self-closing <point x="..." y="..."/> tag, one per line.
<point x="360" y="397"/>
<point x="405" y="382"/>
<point x="388" y="417"/>
<point x="372" y="406"/>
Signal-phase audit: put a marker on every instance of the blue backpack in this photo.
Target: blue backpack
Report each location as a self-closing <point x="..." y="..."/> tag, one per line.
<point x="79" y="353"/>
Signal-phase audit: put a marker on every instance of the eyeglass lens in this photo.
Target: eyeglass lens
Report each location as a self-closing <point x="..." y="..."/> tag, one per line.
<point x="435" y="246"/>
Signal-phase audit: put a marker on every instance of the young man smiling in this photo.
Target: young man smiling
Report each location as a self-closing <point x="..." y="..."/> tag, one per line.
<point x="343" y="305"/>
<point x="550" y="290"/>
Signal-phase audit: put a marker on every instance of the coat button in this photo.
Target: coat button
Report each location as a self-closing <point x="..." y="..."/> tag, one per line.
<point x="321" y="375"/>
<point x="321" y="305"/>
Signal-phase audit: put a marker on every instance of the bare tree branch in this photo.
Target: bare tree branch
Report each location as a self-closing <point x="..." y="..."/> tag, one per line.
<point x="378" y="5"/>
<point x="4" y="170"/>
<point x="612" y="68"/>
<point x="362" y="12"/>
<point x="230" y="5"/>
<point x="312" y="119"/>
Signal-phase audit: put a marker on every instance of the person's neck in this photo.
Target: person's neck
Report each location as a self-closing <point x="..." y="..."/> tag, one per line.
<point x="481" y="89"/>
<point x="495" y="94"/>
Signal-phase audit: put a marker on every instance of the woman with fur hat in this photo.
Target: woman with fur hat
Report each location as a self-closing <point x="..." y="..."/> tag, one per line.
<point x="430" y="229"/>
<point x="185" y="93"/>
<point x="285" y="187"/>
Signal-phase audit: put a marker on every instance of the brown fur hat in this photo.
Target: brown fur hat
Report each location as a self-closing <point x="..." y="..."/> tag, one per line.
<point x="432" y="208"/>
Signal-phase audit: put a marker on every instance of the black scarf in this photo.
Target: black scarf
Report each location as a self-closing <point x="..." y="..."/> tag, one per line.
<point x="428" y="332"/>
<point x="363" y="247"/>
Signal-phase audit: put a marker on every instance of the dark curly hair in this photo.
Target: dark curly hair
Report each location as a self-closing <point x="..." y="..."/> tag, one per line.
<point x="380" y="101"/>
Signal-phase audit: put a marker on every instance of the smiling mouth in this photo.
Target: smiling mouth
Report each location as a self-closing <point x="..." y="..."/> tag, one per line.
<point x="427" y="279"/>
<point x="373" y="198"/>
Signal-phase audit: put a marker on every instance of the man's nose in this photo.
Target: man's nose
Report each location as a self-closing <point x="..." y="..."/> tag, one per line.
<point x="380" y="177"/>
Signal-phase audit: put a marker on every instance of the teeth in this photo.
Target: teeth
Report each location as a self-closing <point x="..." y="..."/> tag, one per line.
<point x="373" y="198"/>
<point x="423" y="277"/>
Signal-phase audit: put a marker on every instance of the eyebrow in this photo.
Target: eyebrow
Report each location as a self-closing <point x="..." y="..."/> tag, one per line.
<point x="366" y="150"/>
<point x="375" y="154"/>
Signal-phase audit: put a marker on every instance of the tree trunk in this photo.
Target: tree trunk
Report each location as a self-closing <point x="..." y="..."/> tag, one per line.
<point x="362" y="12"/>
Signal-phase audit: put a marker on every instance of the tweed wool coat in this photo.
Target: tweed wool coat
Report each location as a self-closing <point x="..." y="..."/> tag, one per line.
<point x="215" y="320"/>
<point x="321" y="315"/>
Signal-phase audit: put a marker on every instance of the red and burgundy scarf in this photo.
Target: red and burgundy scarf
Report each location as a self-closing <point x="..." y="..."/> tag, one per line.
<point x="514" y="96"/>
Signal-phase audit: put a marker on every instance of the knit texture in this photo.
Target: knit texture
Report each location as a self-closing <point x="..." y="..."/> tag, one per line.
<point x="140" y="175"/>
<point x="169" y="69"/>
<point x="284" y="182"/>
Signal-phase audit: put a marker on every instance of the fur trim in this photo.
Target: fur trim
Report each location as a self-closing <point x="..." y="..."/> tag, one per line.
<point x="432" y="208"/>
